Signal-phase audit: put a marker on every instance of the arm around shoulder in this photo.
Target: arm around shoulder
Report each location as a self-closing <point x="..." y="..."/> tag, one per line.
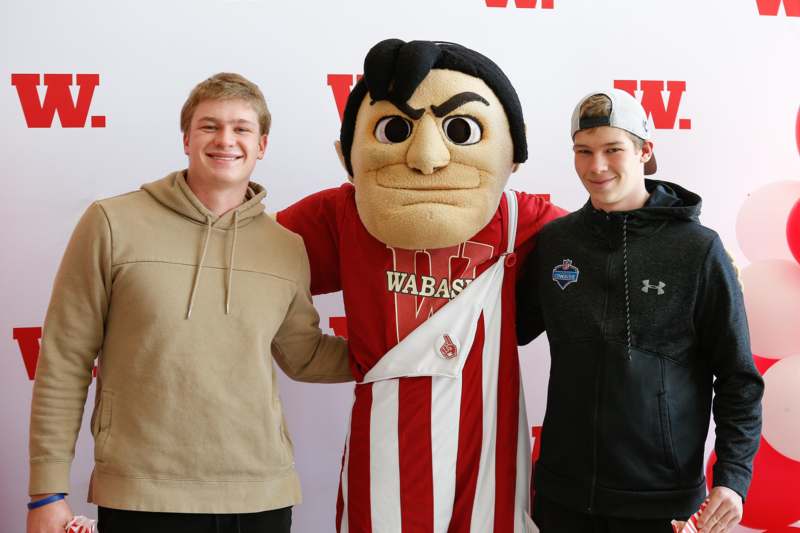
<point x="299" y="347"/>
<point x="530" y="321"/>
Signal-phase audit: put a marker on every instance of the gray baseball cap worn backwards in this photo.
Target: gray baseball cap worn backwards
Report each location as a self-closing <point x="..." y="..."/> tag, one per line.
<point x="626" y="114"/>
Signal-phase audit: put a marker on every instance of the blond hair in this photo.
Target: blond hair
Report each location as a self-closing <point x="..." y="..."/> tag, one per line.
<point x="227" y="86"/>
<point x="599" y="105"/>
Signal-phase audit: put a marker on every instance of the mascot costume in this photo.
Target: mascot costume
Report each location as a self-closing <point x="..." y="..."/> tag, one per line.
<point x="425" y="244"/>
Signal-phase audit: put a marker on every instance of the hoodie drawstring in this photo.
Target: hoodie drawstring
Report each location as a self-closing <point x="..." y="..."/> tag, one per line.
<point x="230" y="263"/>
<point x="627" y="289"/>
<point x="199" y="268"/>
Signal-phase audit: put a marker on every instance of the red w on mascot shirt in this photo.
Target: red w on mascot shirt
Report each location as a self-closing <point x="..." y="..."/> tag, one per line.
<point x="396" y="287"/>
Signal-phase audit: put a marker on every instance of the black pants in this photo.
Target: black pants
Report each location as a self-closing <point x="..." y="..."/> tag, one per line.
<point x="551" y="517"/>
<point x="117" y="521"/>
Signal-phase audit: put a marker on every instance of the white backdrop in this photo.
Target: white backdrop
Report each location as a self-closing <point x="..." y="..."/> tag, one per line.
<point x="739" y="66"/>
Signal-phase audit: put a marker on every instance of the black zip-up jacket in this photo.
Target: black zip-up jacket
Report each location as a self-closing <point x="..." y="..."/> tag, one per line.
<point x="644" y="315"/>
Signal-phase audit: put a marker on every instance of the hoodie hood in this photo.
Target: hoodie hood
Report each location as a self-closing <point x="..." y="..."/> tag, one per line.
<point x="667" y="201"/>
<point x="174" y="193"/>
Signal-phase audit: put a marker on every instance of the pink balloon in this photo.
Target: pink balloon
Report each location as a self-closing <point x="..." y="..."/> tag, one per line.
<point x="793" y="230"/>
<point x="773" y="500"/>
<point x="761" y="219"/>
<point x="772" y="299"/>
<point x="781" y="407"/>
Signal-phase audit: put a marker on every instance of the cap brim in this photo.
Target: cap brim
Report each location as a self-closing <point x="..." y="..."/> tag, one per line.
<point x="650" y="167"/>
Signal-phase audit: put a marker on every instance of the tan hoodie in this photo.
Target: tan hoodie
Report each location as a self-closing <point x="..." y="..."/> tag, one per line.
<point x="186" y="311"/>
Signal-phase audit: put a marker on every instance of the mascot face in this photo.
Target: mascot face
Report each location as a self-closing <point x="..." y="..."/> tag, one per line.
<point x="435" y="180"/>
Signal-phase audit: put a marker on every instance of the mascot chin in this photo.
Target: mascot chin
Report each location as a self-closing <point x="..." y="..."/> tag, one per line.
<point x="424" y="242"/>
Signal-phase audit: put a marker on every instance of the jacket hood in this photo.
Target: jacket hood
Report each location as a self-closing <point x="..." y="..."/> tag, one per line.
<point x="667" y="201"/>
<point x="174" y="193"/>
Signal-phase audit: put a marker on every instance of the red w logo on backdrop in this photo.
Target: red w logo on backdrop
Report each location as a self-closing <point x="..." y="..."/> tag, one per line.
<point x="769" y="8"/>
<point x="530" y="4"/>
<point x="664" y="114"/>
<point x="57" y="99"/>
<point x="340" y="85"/>
<point x="28" y="341"/>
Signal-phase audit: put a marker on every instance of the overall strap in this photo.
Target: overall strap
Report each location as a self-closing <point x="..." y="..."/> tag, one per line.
<point x="511" y="202"/>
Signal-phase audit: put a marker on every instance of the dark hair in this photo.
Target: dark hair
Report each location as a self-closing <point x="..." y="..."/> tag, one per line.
<point x="393" y="69"/>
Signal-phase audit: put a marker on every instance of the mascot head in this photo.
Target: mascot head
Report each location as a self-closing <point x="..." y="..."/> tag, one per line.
<point x="429" y="137"/>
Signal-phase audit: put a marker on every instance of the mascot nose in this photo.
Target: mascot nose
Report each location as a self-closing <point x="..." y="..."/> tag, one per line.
<point x="428" y="152"/>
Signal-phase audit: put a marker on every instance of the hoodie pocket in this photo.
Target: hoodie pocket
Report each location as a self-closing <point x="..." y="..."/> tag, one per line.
<point x="635" y="437"/>
<point x="670" y="458"/>
<point x="277" y="441"/>
<point x="101" y="424"/>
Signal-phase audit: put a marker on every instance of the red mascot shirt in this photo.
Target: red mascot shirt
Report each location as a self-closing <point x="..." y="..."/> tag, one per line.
<point x="426" y="453"/>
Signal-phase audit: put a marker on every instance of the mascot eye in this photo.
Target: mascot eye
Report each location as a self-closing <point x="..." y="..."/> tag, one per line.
<point x="462" y="130"/>
<point x="391" y="130"/>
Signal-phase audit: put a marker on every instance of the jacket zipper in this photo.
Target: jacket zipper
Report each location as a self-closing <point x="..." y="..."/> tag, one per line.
<point x="597" y="389"/>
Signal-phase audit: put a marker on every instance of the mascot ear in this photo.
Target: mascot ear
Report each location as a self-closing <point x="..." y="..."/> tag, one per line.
<point x="338" y="146"/>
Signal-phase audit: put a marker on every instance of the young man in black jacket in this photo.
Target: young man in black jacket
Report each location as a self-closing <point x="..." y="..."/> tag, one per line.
<point x="644" y="315"/>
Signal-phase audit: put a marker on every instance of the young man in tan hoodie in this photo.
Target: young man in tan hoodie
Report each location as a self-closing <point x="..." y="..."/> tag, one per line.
<point x="184" y="291"/>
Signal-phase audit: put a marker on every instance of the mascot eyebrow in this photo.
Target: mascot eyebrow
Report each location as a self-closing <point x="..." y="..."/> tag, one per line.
<point x="393" y="69"/>
<point x="454" y="102"/>
<point x="457" y="101"/>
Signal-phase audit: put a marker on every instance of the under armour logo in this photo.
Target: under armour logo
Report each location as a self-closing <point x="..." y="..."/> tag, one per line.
<point x="646" y="286"/>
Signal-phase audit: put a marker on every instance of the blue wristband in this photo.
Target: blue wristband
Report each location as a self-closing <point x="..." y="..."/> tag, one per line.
<point x="44" y="501"/>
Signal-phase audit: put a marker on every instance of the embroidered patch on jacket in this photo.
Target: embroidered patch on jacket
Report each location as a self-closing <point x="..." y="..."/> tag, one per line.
<point x="447" y="347"/>
<point x="646" y="286"/>
<point x="565" y="273"/>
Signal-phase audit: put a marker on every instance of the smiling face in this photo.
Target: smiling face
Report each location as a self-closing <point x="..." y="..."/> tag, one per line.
<point x="433" y="181"/>
<point x="223" y="142"/>
<point x="611" y="168"/>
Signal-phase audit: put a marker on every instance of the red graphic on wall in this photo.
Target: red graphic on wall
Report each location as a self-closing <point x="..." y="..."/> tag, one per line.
<point x="28" y="341"/>
<point x="340" y="85"/>
<point x="769" y="8"/>
<point x="527" y="4"/>
<point x="664" y="115"/>
<point x="57" y="99"/>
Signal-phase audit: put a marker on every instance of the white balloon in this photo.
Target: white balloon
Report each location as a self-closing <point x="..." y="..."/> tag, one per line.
<point x="772" y="300"/>
<point x="781" y="405"/>
<point x="761" y="223"/>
